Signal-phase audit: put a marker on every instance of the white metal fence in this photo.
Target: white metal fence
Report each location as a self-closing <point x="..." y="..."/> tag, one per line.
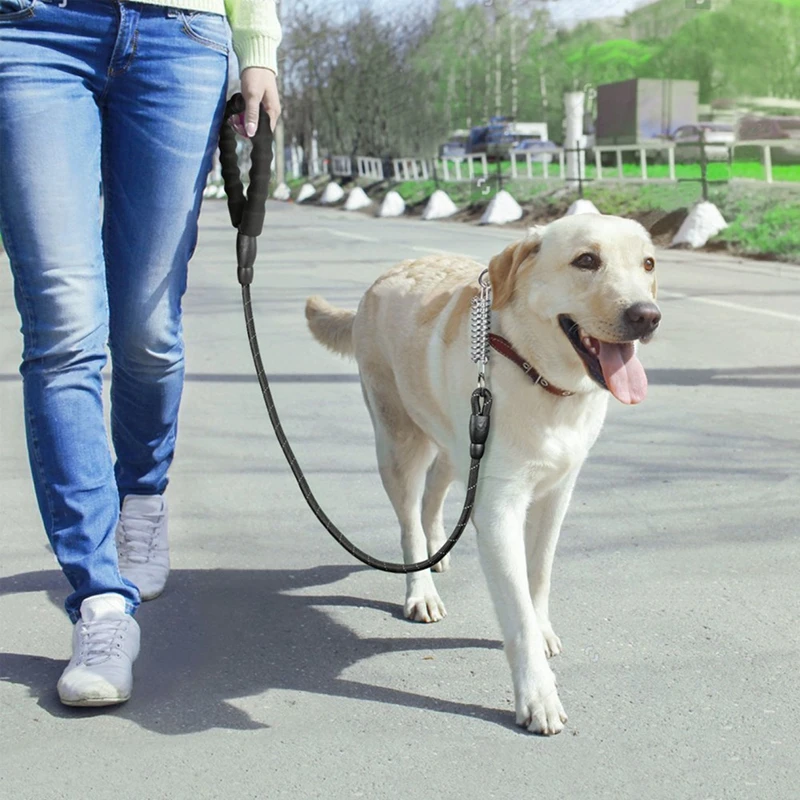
<point x="668" y="152"/>
<point x="370" y="167"/>
<point x="642" y="151"/>
<point x="552" y="165"/>
<point x="455" y="162"/>
<point x="410" y="169"/>
<point x="767" y="146"/>
<point x="341" y="166"/>
<point x="542" y="162"/>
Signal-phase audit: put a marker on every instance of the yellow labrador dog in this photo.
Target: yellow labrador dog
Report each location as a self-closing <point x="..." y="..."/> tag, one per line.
<point x="570" y="303"/>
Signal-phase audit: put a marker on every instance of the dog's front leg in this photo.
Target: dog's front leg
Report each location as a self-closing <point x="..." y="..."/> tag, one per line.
<point x="499" y="517"/>
<point x="545" y="517"/>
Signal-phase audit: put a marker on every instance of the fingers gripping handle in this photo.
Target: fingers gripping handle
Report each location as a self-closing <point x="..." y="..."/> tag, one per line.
<point x="246" y="211"/>
<point x="260" y="174"/>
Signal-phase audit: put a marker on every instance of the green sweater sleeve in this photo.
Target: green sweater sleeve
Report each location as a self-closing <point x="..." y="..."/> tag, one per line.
<point x="256" y="32"/>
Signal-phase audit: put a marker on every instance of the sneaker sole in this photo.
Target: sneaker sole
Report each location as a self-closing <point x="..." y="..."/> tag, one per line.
<point x="95" y="702"/>
<point x="151" y="596"/>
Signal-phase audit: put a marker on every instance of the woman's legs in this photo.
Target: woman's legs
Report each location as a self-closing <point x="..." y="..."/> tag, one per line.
<point x="148" y="84"/>
<point x="51" y="81"/>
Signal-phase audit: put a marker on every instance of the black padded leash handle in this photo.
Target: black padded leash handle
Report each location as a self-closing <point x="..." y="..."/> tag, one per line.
<point x="246" y="210"/>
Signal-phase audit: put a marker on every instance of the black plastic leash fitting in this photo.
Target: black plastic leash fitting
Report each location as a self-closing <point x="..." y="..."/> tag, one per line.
<point x="246" y="252"/>
<point x="479" y="421"/>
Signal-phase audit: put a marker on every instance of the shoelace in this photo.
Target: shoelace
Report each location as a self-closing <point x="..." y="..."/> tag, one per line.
<point x="99" y="638"/>
<point x="137" y="537"/>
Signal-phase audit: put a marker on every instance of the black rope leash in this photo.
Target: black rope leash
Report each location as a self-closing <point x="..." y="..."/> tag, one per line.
<point x="247" y="215"/>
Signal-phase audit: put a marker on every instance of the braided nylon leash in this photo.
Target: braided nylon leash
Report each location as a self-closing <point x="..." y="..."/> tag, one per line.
<point x="247" y="215"/>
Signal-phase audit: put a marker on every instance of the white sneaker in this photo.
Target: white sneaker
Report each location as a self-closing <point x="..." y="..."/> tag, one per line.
<point x="142" y="544"/>
<point x="105" y="643"/>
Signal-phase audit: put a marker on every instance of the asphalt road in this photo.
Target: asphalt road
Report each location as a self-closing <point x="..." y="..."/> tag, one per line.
<point x="275" y="667"/>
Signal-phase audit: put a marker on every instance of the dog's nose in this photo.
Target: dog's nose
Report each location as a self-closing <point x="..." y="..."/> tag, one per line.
<point x="643" y="318"/>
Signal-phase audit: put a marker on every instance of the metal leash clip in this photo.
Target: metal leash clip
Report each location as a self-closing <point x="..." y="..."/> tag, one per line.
<point x="480" y="325"/>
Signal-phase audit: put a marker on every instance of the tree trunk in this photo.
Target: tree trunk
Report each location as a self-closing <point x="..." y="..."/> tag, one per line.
<point x="451" y="94"/>
<point x="513" y="65"/>
<point x="498" y="65"/>
<point x="468" y="87"/>
<point x="543" y="91"/>
<point x="280" y="167"/>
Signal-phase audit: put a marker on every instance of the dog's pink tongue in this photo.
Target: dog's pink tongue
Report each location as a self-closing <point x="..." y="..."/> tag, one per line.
<point x="623" y="372"/>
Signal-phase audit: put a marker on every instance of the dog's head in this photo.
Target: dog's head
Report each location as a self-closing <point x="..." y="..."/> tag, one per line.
<point x="590" y="278"/>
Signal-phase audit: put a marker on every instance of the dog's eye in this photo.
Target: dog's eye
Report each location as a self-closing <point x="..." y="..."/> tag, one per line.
<point x="649" y="264"/>
<point x="587" y="261"/>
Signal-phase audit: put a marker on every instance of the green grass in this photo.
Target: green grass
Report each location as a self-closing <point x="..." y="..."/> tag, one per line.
<point x="753" y="170"/>
<point x="629" y="200"/>
<point x="761" y="222"/>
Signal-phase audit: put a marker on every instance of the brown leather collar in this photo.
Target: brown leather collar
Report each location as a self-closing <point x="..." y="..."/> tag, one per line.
<point x="504" y="347"/>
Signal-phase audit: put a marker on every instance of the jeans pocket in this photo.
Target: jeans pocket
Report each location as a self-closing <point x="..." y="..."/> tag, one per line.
<point x="12" y="10"/>
<point x="207" y="29"/>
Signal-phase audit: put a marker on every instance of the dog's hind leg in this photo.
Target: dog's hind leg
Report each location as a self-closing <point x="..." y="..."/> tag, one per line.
<point x="542" y="528"/>
<point x="438" y="481"/>
<point x="404" y="455"/>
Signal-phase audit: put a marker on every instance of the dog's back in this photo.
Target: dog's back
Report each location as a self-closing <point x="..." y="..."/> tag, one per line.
<point x="399" y="308"/>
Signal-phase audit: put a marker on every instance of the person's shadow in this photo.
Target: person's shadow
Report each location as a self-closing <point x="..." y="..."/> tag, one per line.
<point x="226" y="634"/>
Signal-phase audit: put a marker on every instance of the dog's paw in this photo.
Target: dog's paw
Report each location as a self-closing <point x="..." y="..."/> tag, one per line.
<point x="541" y="712"/>
<point x="552" y="644"/>
<point x="443" y="565"/>
<point x="425" y="608"/>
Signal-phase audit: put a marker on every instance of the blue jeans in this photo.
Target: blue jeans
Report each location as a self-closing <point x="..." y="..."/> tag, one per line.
<point x="130" y="96"/>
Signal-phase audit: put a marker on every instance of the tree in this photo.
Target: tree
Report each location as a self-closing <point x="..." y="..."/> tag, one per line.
<point x="614" y="60"/>
<point x="397" y="85"/>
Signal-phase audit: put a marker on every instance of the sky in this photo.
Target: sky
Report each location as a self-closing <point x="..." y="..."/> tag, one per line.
<point x="563" y="11"/>
<point x="569" y="10"/>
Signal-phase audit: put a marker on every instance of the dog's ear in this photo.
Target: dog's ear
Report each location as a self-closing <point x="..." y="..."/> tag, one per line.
<point x="503" y="267"/>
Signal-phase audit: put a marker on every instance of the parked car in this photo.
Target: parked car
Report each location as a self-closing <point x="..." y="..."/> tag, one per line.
<point x="718" y="139"/>
<point x="752" y="127"/>
<point x="542" y="151"/>
<point x="764" y="128"/>
<point x="494" y="139"/>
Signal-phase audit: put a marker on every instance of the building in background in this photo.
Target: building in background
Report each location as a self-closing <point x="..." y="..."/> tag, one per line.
<point x="644" y="109"/>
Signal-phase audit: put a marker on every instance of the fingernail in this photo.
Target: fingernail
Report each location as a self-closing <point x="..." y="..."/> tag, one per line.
<point x="251" y="129"/>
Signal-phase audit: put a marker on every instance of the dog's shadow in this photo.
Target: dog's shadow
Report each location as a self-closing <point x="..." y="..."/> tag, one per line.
<point x="218" y="635"/>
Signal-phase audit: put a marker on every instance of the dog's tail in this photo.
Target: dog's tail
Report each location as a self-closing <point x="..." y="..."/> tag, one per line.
<point x="330" y="326"/>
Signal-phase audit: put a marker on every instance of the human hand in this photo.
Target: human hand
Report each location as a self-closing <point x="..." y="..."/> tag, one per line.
<point x="259" y="86"/>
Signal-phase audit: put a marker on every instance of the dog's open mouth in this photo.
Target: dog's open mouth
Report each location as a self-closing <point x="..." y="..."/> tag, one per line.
<point x="613" y="365"/>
